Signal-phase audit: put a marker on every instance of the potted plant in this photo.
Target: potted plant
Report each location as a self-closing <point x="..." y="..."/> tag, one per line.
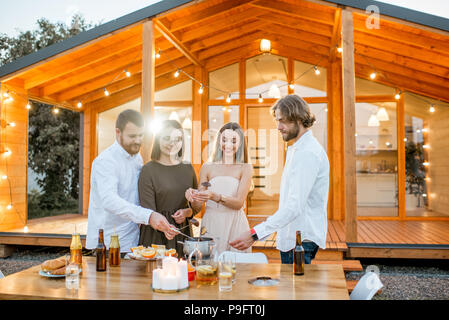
<point x="415" y="174"/>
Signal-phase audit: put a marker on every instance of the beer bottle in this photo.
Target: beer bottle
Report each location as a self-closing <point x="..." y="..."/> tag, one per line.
<point x="298" y="256"/>
<point x="101" y="252"/>
<point x="114" y="251"/>
<point x="76" y="256"/>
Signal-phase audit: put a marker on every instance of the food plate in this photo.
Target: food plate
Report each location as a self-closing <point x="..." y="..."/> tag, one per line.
<point x="49" y="275"/>
<point x="133" y="256"/>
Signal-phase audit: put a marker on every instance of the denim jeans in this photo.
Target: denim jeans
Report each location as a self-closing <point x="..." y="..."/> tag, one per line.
<point x="310" y="250"/>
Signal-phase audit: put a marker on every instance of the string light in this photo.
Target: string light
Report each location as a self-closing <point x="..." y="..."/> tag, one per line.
<point x="339" y="49"/>
<point x="55" y="110"/>
<point x="425" y="164"/>
<point x="4" y="177"/>
<point x="228" y="99"/>
<point x="426" y="146"/>
<point x="7" y="152"/>
<point x="106" y="92"/>
<point x="25" y="229"/>
<point x="12" y="124"/>
<point x="9" y="206"/>
<point x="373" y="75"/>
<point x="432" y="109"/>
<point x="200" y="90"/>
<point x="260" y="98"/>
<point x="291" y="86"/>
<point x="128" y="74"/>
<point x="176" y="73"/>
<point x="158" y="54"/>
<point x="79" y="105"/>
<point x="28" y="106"/>
<point x="6" y="94"/>
<point x="317" y="72"/>
<point x="398" y="95"/>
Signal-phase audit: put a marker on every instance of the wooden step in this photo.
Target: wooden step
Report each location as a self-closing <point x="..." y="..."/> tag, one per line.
<point x="348" y="265"/>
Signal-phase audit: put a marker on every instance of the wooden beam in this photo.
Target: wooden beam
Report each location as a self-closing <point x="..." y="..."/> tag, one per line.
<point x="296" y="10"/>
<point x="290" y="74"/>
<point x="336" y="34"/>
<point x="401" y="155"/>
<point x="208" y="14"/>
<point x="297" y="34"/>
<point x="242" y="94"/>
<point x="349" y="126"/>
<point x="176" y="42"/>
<point x="148" y="83"/>
<point x="60" y="69"/>
<point x="114" y="100"/>
<point x="197" y="119"/>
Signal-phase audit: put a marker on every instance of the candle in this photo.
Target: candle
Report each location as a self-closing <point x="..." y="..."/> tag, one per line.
<point x="169" y="282"/>
<point x="156" y="278"/>
<point x="183" y="276"/>
<point x="169" y="264"/>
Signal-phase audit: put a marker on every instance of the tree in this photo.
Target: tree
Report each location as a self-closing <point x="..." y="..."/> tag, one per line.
<point x="53" y="148"/>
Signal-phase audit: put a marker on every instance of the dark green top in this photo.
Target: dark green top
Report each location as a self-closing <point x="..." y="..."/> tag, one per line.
<point x="162" y="188"/>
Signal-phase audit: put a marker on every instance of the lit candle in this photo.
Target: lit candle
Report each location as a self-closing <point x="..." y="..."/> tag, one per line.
<point x="169" y="264"/>
<point x="169" y="282"/>
<point x="156" y="278"/>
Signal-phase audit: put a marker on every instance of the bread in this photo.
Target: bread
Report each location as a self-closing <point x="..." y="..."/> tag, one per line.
<point x="60" y="271"/>
<point x="52" y="265"/>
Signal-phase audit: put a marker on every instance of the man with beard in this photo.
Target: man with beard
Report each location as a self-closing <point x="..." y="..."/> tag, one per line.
<point x="304" y="186"/>
<point x="114" y="197"/>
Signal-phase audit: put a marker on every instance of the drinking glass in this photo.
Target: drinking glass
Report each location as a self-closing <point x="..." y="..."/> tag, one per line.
<point x="72" y="274"/>
<point x="225" y="275"/>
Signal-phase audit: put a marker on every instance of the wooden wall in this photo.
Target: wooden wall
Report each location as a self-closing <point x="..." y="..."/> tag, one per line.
<point x="13" y="165"/>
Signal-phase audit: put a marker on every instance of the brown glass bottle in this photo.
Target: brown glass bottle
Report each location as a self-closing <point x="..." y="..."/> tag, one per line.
<point x="114" y="251"/>
<point x="101" y="252"/>
<point x="298" y="256"/>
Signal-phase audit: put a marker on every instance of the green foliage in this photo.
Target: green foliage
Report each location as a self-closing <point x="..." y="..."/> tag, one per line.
<point x="47" y="33"/>
<point x="415" y="172"/>
<point x="53" y="148"/>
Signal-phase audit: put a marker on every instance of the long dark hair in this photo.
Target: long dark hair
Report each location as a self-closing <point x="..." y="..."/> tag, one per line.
<point x="156" y="152"/>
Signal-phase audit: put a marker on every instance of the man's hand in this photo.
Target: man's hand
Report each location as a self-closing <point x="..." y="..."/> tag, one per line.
<point x="244" y="241"/>
<point x="181" y="215"/>
<point x="159" y="222"/>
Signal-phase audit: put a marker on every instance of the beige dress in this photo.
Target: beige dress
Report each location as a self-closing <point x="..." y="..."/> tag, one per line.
<point x="222" y="223"/>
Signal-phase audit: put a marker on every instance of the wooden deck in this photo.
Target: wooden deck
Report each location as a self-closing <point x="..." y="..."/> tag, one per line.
<point x="393" y="239"/>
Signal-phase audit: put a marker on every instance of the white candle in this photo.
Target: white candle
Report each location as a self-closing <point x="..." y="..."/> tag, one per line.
<point x="183" y="276"/>
<point x="170" y="282"/>
<point x="156" y="278"/>
<point x="169" y="265"/>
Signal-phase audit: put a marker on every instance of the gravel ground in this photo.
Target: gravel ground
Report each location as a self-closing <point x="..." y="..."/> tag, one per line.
<point x="409" y="279"/>
<point x="402" y="279"/>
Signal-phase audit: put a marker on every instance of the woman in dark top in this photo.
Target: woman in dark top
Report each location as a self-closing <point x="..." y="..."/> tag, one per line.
<point x="162" y="185"/>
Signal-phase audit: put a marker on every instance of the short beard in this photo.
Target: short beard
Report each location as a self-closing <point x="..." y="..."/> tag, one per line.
<point x="292" y="134"/>
<point x="127" y="147"/>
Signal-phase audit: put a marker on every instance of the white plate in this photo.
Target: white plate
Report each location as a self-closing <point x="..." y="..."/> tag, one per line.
<point x="49" y="275"/>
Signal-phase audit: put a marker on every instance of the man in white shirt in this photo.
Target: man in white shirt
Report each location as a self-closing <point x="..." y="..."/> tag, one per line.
<point x="304" y="186"/>
<point x="114" y="197"/>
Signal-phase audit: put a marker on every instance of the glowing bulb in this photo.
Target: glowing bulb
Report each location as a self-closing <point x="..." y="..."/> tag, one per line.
<point x="317" y="72"/>
<point x="292" y="86"/>
<point x="55" y="110"/>
<point x="428" y="179"/>
<point x="424" y="130"/>
<point x="158" y="54"/>
<point x="373" y="75"/>
<point x="325" y="110"/>
<point x="6" y="94"/>
<point x="12" y="124"/>
<point x="228" y="99"/>
<point x="397" y="96"/>
<point x="339" y="49"/>
<point x="176" y="73"/>
<point x="28" y="106"/>
<point x="426" y="146"/>
<point x="9" y="206"/>
<point x="260" y="98"/>
<point x="432" y="108"/>
<point x="79" y="104"/>
<point x="224" y="109"/>
<point x="128" y="74"/>
<point x="25" y="229"/>
<point x="106" y="92"/>
<point x="405" y="139"/>
<point x="426" y="164"/>
<point x="356" y="134"/>
<point x="4" y="177"/>
<point x="200" y="90"/>
<point x="155" y="126"/>
<point x="8" y="152"/>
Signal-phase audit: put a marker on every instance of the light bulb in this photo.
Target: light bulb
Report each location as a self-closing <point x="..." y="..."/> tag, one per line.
<point x="317" y="72"/>
<point x="200" y="90"/>
<point x="12" y="124"/>
<point x="106" y="92"/>
<point x="7" y="152"/>
<point x="4" y="177"/>
<point x="260" y="98"/>
<point x="9" y="206"/>
<point x="28" y="106"/>
<point x="339" y="49"/>
<point x="373" y="75"/>
<point x="79" y="104"/>
<point x="6" y="94"/>
<point x="228" y="99"/>
<point x="128" y="74"/>
<point x="55" y="110"/>
<point x="25" y="229"/>
<point x="176" y="73"/>
<point x="426" y="146"/>
<point x="292" y="86"/>
<point x="397" y="96"/>
<point x="224" y="109"/>
<point x="158" y="54"/>
<point x="426" y="164"/>
<point x="432" y="108"/>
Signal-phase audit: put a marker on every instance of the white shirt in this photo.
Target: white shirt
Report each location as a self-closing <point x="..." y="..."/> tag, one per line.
<point x="114" y="198"/>
<point x="303" y="196"/>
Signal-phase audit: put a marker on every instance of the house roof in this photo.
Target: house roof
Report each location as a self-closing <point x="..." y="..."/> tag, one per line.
<point x="160" y="7"/>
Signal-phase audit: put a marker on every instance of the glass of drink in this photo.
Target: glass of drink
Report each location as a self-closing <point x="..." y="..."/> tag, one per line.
<point x="72" y="275"/>
<point x="225" y="275"/>
<point x="232" y="258"/>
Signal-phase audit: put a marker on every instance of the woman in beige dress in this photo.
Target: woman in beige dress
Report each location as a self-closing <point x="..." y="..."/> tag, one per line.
<point x="224" y="183"/>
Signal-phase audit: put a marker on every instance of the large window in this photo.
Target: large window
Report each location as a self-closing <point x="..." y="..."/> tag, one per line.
<point x="426" y="156"/>
<point x="309" y="82"/>
<point x="224" y="82"/>
<point x="376" y="159"/>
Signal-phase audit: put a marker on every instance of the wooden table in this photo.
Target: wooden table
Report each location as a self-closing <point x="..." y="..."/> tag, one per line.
<point x="131" y="281"/>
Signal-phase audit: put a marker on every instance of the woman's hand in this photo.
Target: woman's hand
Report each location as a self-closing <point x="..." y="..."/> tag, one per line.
<point x="181" y="215"/>
<point x="205" y="195"/>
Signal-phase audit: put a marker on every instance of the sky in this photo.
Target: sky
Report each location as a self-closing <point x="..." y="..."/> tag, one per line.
<point x="21" y="15"/>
